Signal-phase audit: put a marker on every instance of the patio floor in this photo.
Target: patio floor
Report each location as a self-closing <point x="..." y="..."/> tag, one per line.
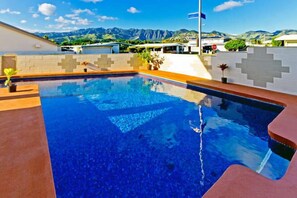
<point x="25" y="169"/>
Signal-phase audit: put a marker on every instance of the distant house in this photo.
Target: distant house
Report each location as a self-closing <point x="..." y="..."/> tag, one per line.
<point x="207" y="43"/>
<point x="71" y="48"/>
<point x="288" y="40"/>
<point x="214" y="40"/>
<point x="101" y="48"/>
<point x="18" y="41"/>
<point x="174" y="48"/>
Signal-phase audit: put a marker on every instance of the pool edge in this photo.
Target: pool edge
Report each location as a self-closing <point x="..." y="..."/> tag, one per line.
<point x="232" y="182"/>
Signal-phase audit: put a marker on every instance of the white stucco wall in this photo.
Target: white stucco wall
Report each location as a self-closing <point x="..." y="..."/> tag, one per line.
<point x="288" y="82"/>
<point x="234" y="74"/>
<point x="248" y="67"/>
<point x="13" y="41"/>
<point x="185" y="64"/>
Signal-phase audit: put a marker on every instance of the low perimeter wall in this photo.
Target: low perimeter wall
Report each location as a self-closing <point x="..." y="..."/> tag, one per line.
<point x="185" y="64"/>
<point x="273" y="68"/>
<point x="39" y="64"/>
<point x="267" y="68"/>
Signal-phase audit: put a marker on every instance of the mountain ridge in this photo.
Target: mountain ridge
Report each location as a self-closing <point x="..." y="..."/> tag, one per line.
<point x="157" y="35"/>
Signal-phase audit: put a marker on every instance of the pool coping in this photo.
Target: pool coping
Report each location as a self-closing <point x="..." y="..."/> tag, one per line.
<point x="231" y="183"/>
<point x="74" y="74"/>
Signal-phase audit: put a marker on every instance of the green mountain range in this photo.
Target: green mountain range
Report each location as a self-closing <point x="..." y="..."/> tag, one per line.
<point x="183" y="35"/>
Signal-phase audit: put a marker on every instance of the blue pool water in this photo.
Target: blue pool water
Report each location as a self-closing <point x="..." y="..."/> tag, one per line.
<point x="136" y="137"/>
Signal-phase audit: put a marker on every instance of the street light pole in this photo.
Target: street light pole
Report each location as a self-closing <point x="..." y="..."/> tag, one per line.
<point x="199" y="26"/>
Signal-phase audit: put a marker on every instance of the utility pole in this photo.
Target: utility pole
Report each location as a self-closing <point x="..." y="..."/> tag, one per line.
<point x="199" y="25"/>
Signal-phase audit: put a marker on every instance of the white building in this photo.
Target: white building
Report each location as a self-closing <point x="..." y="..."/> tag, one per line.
<point x="101" y="48"/>
<point x="174" y="48"/>
<point x="207" y="43"/>
<point x="214" y="40"/>
<point x="17" y="41"/>
<point x="288" y="40"/>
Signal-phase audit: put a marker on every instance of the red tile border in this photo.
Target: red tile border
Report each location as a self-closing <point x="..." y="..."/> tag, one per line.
<point x="25" y="169"/>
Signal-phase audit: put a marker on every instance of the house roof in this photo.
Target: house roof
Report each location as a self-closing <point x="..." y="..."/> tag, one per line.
<point x="158" y="45"/>
<point x="291" y="37"/>
<point x="25" y="33"/>
<point x="100" y="45"/>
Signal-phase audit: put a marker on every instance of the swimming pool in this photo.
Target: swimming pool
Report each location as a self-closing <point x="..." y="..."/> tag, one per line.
<point x="134" y="136"/>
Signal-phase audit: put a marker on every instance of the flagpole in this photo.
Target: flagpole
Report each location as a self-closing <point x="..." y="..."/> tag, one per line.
<point x="199" y="26"/>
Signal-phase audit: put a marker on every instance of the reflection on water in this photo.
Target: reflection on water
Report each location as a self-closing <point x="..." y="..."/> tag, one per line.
<point x="199" y="130"/>
<point x="163" y="140"/>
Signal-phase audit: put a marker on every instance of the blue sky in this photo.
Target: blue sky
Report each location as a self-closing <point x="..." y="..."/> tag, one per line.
<point x="229" y="16"/>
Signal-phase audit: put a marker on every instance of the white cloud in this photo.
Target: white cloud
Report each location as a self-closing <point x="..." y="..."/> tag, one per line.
<point x="72" y="16"/>
<point x="93" y="1"/>
<point x="8" y="11"/>
<point x="77" y="12"/>
<point x="62" y="27"/>
<point x="63" y="20"/>
<point x="227" y="5"/>
<point x="23" y="21"/>
<point x="80" y="21"/>
<point x="107" y="18"/>
<point x="132" y="10"/>
<point x="35" y="15"/>
<point x="47" y="9"/>
<point x="47" y="18"/>
<point x="74" y="21"/>
<point x="71" y="21"/>
<point x="57" y="26"/>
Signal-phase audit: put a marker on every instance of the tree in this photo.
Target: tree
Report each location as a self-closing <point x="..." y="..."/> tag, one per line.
<point x="256" y="41"/>
<point x="90" y="37"/>
<point x="234" y="45"/>
<point x="275" y="43"/>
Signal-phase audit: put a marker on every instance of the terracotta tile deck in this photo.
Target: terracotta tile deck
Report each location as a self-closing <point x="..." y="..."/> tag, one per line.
<point x="25" y="169"/>
<point x="24" y="157"/>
